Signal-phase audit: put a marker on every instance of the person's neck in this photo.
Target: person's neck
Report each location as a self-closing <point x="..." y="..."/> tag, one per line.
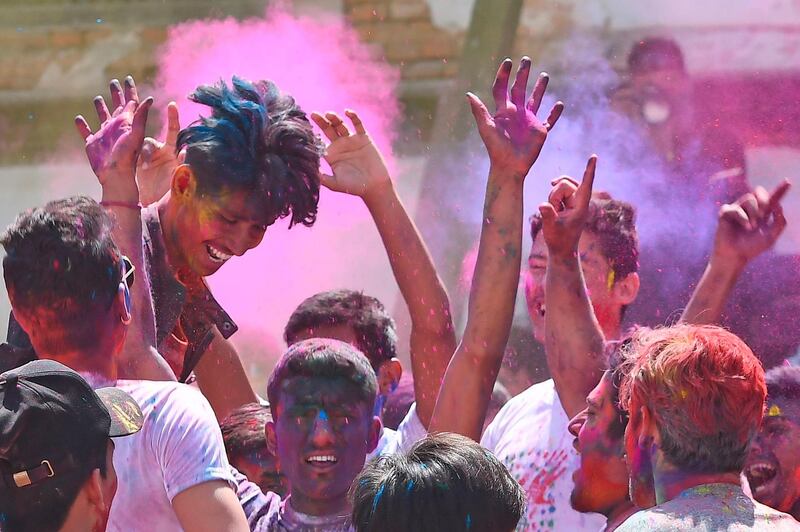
<point x="612" y="328"/>
<point x="669" y="482"/>
<point x="167" y="216"/>
<point x="336" y="506"/>
<point x="98" y="366"/>
<point x="619" y="515"/>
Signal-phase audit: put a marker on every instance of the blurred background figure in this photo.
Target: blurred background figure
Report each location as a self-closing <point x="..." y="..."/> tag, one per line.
<point x="246" y="446"/>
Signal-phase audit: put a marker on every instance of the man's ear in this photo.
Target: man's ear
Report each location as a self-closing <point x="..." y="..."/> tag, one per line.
<point x="184" y="182"/>
<point x="272" y="439"/>
<point x="625" y="290"/>
<point x="648" y="433"/>
<point x="389" y="376"/>
<point x="95" y="496"/>
<point x="123" y="303"/>
<point x="375" y="431"/>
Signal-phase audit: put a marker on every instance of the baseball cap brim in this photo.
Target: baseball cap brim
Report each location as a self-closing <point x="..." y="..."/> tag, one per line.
<point x="126" y="416"/>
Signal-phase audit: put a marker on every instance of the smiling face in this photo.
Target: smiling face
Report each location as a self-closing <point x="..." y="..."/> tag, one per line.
<point x="209" y="229"/>
<point x="597" y="273"/>
<point x="773" y="465"/>
<point x="322" y="434"/>
<point x="601" y="482"/>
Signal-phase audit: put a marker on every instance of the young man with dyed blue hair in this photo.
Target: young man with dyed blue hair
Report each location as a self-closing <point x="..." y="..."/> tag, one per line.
<point x="254" y="160"/>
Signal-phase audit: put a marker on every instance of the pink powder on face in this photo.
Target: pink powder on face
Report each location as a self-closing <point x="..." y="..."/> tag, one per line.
<point x="325" y="67"/>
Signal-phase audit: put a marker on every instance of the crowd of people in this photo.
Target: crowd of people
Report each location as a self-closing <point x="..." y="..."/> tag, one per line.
<point x="115" y="333"/>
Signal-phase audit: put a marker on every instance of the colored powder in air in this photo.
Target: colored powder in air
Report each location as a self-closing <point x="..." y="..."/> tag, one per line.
<point x="325" y="67"/>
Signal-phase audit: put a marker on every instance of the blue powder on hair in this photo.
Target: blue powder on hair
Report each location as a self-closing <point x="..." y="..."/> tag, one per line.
<point x="410" y="485"/>
<point x="323" y="415"/>
<point x="377" y="498"/>
<point x="469" y="521"/>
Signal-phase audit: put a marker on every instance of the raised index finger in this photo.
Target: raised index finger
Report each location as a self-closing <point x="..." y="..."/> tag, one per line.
<point x="777" y="195"/>
<point x="584" y="193"/>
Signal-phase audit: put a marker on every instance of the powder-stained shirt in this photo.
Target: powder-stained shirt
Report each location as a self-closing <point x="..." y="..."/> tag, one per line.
<point x="710" y="507"/>
<point x="179" y="446"/>
<point x="281" y="517"/>
<point x="529" y="436"/>
<point x="184" y="320"/>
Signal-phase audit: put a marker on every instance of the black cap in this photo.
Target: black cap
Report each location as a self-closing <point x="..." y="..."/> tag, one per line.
<point x="52" y="423"/>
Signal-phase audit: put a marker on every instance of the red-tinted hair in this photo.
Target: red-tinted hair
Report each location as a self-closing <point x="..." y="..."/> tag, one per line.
<point x="705" y="389"/>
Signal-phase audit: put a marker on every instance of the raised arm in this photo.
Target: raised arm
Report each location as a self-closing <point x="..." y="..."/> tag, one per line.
<point x="359" y="169"/>
<point x="513" y="137"/>
<point x="745" y="229"/>
<point x="574" y="340"/>
<point x="113" y="152"/>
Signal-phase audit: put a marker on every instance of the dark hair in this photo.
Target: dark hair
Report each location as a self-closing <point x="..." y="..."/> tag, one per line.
<point x="616" y="372"/>
<point x="783" y="382"/>
<point x="328" y="358"/>
<point x="61" y="257"/>
<point x="243" y="430"/>
<point x="444" y="482"/>
<point x="375" y="329"/>
<point x="613" y="222"/>
<point x="655" y="53"/>
<point x="256" y="138"/>
<point x="43" y="507"/>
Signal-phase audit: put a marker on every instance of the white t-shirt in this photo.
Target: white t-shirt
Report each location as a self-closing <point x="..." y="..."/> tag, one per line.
<point x="179" y="446"/>
<point x="409" y="432"/>
<point x="529" y="436"/>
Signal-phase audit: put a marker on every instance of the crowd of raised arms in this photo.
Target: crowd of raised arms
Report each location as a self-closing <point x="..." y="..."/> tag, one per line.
<point x="125" y="406"/>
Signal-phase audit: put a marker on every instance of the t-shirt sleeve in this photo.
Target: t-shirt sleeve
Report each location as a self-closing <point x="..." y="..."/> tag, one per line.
<point x="190" y="450"/>
<point x="410" y="431"/>
<point x="494" y="430"/>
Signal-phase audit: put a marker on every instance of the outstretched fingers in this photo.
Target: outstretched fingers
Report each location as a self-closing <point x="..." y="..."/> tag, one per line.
<point x="140" y="117"/>
<point x="519" y="88"/>
<point x="539" y="89"/>
<point x="327" y="128"/>
<point x="483" y="119"/>
<point x="500" y="85"/>
<point x="117" y="95"/>
<point x="337" y="124"/>
<point x="131" y="94"/>
<point x="173" y="124"/>
<point x="83" y="127"/>
<point x="102" y="110"/>
<point x="356" y="121"/>
<point x="555" y="114"/>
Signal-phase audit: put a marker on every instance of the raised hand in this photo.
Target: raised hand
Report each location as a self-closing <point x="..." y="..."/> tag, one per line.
<point x="113" y="150"/>
<point x="566" y="210"/>
<point x="358" y="167"/>
<point x="158" y="160"/>
<point x="750" y="226"/>
<point x="514" y="135"/>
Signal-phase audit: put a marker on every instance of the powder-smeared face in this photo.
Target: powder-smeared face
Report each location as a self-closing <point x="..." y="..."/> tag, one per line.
<point x="210" y="229"/>
<point x="597" y="273"/>
<point x="773" y="466"/>
<point x="261" y="467"/>
<point x="601" y="482"/>
<point x="323" y="434"/>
